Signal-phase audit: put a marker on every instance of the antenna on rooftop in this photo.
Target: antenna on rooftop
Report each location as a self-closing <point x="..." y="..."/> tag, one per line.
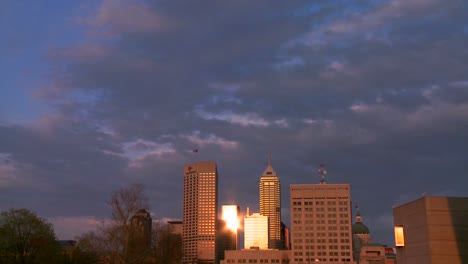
<point x="322" y="172"/>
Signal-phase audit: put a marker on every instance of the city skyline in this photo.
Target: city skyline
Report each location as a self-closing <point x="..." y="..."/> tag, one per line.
<point x="96" y="95"/>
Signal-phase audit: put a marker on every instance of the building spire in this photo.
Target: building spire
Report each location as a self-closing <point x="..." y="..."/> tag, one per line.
<point x="358" y="214"/>
<point x="269" y="171"/>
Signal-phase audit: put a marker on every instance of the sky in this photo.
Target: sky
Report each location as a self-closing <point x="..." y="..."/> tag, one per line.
<point x="96" y="95"/>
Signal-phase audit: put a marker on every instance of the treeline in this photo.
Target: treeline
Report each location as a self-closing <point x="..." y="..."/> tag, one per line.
<point x="26" y="238"/>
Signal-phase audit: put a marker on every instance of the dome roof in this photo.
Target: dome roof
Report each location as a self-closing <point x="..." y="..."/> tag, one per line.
<point x="360" y="228"/>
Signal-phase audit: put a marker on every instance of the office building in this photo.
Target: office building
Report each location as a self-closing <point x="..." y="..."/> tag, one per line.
<point x="270" y="204"/>
<point x="321" y="223"/>
<point x="255" y="231"/>
<point x="200" y="212"/>
<point x="432" y="230"/>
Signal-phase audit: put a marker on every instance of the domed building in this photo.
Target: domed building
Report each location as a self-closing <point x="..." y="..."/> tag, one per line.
<point x="361" y="236"/>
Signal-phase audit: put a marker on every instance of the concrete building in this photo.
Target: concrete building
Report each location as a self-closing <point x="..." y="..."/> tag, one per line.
<point x="200" y="212"/>
<point x="255" y="231"/>
<point x="270" y="204"/>
<point x="257" y="256"/>
<point x="432" y="230"/>
<point x="372" y="254"/>
<point x="321" y="223"/>
<point x="375" y="253"/>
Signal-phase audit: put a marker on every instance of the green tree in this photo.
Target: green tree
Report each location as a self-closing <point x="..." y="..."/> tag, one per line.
<point x="26" y="238"/>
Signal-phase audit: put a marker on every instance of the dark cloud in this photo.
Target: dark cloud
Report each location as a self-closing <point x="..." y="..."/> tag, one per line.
<point x="376" y="90"/>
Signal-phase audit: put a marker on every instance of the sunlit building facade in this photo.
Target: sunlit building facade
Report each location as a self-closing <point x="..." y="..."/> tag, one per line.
<point x="321" y="223"/>
<point x="230" y="215"/>
<point x="200" y="212"/>
<point x="255" y="231"/>
<point x="228" y="225"/>
<point x="270" y="205"/>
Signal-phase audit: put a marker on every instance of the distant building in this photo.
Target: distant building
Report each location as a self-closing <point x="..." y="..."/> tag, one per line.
<point x="139" y="240"/>
<point x="257" y="256"/>
<point x="285" y="237"/>
<point x="432" y="230"/>
<point x="361" y="236"/>
<point x="67" y="247"/>
<point x="200" y="212"/>
<point x="141" y="223"/>
<point x="175" y="227"/>
<point x="270" y="204"/>
<point x="372" y="253"/>
<point x="390" y="255"/>
<point x="321" y="223"/>
<point x="255" y="231"/>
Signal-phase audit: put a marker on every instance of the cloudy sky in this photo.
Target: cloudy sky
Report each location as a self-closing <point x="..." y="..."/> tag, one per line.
<point x="96" y="95"/>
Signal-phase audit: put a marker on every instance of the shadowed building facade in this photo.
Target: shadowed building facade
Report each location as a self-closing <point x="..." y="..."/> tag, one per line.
<point x="270" y="205"/>
<point x="200" y="212"/>
<point x="432" y="230"/>
<point x="139" y="241"/>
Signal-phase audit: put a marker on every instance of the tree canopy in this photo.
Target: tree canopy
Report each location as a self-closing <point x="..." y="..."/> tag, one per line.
<point x="25" y="237"/>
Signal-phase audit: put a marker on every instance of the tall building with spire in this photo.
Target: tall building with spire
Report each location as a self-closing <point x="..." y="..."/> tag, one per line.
<point x="270" y="204"/>
<point x="200" y="212"/>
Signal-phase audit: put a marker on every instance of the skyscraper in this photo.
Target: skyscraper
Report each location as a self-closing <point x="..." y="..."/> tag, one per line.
<point x="270" y="204"/>
<point x="321" y="223"/>
<point x="200" y="212"/>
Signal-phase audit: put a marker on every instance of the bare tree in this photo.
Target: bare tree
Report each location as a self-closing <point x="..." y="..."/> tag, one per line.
<point x="113" y="239"/>
<point x="125" y="203"/>
<point x="167" y="246"/>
